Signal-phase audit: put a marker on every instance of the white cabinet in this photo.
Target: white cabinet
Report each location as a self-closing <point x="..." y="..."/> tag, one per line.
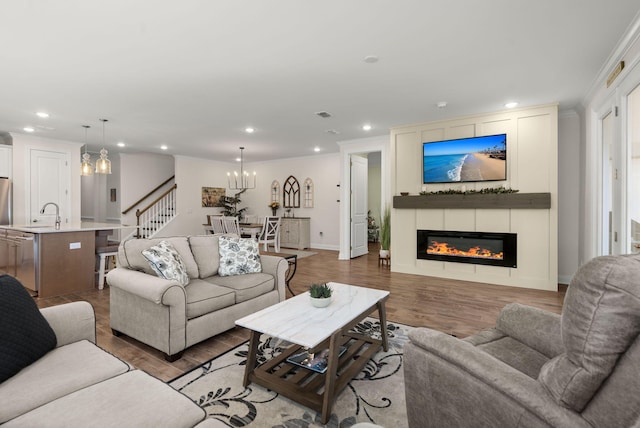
<point x="6" y="156"/>
<point x="295" y="232"/>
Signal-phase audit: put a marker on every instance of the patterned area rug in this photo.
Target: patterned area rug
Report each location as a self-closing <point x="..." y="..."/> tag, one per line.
<point x="375" y="395"/>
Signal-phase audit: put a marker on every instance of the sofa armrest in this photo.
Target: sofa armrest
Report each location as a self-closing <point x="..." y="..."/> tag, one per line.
<point x="538" y="329"/>
<point x="276" y="266"/>
<point x="71" y="322"/>
<point x="448" y="378"/>
<point x="149" y="287"/>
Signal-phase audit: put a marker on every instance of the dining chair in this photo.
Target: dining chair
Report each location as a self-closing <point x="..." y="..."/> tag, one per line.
<point x="231" y="225"/>
<point x="217" y="225"/>
<point x="270" y="233"/>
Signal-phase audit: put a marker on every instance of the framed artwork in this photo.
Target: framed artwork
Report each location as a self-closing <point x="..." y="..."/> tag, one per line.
<point x="211" y="196"/>
<point x="291" y="193"/>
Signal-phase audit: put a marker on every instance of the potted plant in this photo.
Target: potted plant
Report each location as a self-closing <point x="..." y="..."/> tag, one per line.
<point x="274" y="207"/>
<point x="320" y="295"/>
<point x="229" y="205"/>
<point x="385" y="233"/>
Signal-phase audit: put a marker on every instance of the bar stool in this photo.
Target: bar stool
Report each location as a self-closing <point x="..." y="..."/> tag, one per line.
<point x="103" y="256"/>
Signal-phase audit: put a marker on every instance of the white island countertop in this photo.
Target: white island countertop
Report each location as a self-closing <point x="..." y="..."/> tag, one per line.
<point x="84" y="226"/>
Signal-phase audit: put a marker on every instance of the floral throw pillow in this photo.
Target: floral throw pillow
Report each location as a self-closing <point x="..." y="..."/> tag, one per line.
<point x="166" y="262"/>
<point x="238" y="256"/>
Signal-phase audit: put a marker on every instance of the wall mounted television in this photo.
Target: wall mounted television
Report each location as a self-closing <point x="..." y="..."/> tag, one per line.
<point x="465" y="160"/>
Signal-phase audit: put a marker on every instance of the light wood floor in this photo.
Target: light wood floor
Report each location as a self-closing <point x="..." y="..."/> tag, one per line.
<point x="455" y="307"/>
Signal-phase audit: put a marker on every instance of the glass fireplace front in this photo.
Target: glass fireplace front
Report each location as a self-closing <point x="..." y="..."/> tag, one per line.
<point x="484" y="248"/>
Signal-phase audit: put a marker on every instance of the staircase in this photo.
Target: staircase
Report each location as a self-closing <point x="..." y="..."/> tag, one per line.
<point x="153" y="218"/>
<point x="155" y="215"/>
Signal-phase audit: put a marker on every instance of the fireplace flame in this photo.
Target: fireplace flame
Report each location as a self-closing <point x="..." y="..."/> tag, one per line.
<point x="443" y="248"/>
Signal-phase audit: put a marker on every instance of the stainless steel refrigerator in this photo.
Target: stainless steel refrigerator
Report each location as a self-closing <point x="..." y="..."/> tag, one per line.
<point x="5" y="201"/>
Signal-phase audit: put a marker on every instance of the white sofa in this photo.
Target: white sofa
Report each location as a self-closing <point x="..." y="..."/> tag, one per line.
<point x="169" y="317"/>
<point x="78" y="384"/>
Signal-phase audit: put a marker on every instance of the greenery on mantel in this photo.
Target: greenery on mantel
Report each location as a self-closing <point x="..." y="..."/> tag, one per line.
<point x="488" y="190"/>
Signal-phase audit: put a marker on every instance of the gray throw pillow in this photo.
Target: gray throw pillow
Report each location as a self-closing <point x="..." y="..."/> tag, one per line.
<point x="166" y="262"/>
<point x="238" y="256"/>
<point x="600" y="320"/>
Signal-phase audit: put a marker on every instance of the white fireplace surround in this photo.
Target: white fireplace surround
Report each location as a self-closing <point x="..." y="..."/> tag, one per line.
<point x="532" y="167"/>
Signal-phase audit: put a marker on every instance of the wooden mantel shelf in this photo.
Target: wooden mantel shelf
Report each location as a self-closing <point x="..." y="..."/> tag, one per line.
<point x="475" y="200"/>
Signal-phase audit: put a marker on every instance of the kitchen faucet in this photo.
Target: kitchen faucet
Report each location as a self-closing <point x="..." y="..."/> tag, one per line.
<point x="57" y="212"/>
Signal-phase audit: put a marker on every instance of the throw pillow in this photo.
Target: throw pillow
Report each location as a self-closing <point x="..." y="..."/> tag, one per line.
<point x="600" y="320"/>
<point x="238" y="256"/>
<point x="166" y="262"/>
<point x="25" y="335"/>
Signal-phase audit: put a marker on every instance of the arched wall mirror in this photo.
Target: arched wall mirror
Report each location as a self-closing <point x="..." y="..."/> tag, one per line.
<point x="291" y="193"/>
<point x="308" y="193"/>
<point x="275" y="191"/>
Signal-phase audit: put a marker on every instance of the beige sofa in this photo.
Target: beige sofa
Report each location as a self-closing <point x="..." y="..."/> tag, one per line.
<point x="77" y="384"/>
<point x="170" y="317"/>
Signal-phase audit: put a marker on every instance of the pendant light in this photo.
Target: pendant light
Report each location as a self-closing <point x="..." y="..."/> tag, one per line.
<point x="243" y="181"/>
<point x="85" y="167"/>
<point x="103" y="165"/>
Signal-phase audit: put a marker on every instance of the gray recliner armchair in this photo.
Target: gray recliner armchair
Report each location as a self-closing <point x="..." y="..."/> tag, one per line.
<point x="535" y="368"/>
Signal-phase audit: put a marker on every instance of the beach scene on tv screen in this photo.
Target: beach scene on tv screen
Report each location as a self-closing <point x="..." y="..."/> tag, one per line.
<point x="467" y="159"/>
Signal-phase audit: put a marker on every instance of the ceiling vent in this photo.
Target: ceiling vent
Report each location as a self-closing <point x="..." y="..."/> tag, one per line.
<point x="332" y="131"/>
<point x="323" y="114"/>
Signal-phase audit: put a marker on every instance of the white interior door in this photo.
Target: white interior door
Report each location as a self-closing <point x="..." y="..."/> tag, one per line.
<point x="50" y="182"/>
<point x="359" y="166"/>
<point x="633" y="172"/>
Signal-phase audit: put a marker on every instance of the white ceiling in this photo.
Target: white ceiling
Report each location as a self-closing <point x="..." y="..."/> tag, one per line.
<point x="192" y="74"/>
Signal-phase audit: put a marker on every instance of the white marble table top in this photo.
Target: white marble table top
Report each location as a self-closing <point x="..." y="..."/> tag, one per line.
<point x="296" y="321"/>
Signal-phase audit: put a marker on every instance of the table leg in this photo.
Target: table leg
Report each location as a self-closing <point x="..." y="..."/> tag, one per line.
<point x="331" y="376"/>
<point x="254" y="341"/>
<point x="293" y="265"/>
<point x="382" y="313"/>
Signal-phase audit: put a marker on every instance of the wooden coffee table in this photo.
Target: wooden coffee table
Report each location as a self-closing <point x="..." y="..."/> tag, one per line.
<point x="306" y="327"/>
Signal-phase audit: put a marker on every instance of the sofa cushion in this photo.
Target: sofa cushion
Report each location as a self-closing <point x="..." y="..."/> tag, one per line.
<point x="25" y="335"/>
<point x="600" y="319"/>
<point x="133" y="399"/>
<point x="60" y="372"/>
<point x="246" y="287"/>
<point x="206" y="254"/>
<point x="204" y="297"/>
<point x="130" y="254"/>
<point x="238" y="256"/>
<point x="166" y="262"/>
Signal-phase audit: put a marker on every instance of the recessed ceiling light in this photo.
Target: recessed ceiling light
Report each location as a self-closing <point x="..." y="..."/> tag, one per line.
<point x="249" y="130"/>
<point x="121" y="144"/>
<point x="366" y="127"/>
<point x="511" y="104"/>
<point x="42" y="114"/>
<point x="316" y="149"/>
<point x="370" y="59"/>
<point x="163" y="147"/>
<point x="28" y="129"/>
<point x="442" y="104"/>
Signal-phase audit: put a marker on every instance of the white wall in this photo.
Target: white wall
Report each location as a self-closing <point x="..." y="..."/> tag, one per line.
<point x="374" y="175"/>
<point x="193" y="173"/>
<point x="532" y="167"/>
<point x="568" y="195"/>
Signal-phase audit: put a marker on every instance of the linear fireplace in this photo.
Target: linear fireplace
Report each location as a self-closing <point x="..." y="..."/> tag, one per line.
<point x="484" y="248"/>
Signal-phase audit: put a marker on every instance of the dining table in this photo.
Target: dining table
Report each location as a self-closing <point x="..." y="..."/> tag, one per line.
<point x="251" y="229"/>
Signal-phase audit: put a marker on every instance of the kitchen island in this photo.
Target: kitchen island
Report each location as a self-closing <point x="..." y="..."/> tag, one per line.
<point x="50" y="261"/>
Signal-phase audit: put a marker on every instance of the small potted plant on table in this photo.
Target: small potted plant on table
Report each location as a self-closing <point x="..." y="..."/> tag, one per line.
<point x="320" y="295"/>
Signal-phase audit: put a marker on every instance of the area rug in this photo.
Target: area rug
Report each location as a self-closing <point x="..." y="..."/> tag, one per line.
<point x="375" y="395"/>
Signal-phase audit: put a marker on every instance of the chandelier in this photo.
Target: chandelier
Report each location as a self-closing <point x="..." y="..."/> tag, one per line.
<point x="103" y="165"/>
<point x="86" y="168"/>
<point x="242" y="181"/>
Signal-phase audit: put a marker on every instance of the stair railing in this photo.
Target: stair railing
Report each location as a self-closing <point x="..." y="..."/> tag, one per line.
<point x="155" y="215"/>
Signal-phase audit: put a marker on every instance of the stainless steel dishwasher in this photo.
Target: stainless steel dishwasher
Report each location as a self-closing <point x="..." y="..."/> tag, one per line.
<point x="19" y="251"/>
